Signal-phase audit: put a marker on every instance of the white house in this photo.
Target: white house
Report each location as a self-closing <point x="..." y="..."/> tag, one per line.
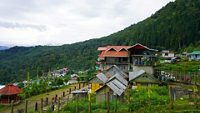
<point x="167" y="54"/>
<point x="60" y="72"/>
<point x="74" y="77"/>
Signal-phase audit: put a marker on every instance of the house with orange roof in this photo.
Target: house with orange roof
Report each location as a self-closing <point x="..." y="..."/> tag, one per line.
<point x="127" y="58"/>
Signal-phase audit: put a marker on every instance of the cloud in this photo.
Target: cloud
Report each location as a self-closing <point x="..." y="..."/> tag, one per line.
<point x="69" y="21"/>
<point x="14" y="25"/>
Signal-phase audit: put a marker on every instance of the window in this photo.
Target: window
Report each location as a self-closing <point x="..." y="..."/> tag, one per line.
<point x="124" y="59"/>
<point x="166" y="54"/>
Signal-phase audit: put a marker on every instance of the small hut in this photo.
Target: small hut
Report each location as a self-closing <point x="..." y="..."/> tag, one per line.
<point x="8" y="93"/>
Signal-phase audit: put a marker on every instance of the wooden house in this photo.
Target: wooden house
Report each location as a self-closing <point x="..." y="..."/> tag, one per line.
<point x="127" y="58"/>
<point x="95" y="84"/>
<point x="10" y="93"/>
<point x="167" y="54"/>
<point x="142" y="78"/>
<point x="103" y="93"/>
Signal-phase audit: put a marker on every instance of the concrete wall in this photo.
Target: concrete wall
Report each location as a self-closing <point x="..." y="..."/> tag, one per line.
<point x="147" y="69"/>
<point x="168" y="55"/>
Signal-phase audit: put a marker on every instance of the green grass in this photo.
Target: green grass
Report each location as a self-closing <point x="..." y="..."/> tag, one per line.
<point x="185" y="66"/>
<point x="140" y="102"/>
<point x="36" y="98"/>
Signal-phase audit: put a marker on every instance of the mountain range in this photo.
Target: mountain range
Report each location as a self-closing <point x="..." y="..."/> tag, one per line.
<point x="3" y="47"/>
<point x="175" y="26"/>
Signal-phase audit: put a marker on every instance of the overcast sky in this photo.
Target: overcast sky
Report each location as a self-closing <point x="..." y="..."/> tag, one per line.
<point x="56" y="22"/>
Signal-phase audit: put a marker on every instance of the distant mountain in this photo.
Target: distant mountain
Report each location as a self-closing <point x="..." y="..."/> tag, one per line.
<point x="175" y="26"/>
<point x="3" y="47"/>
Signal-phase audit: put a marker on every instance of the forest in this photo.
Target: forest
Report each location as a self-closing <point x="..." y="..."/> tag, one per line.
<point x="175" y="27"/>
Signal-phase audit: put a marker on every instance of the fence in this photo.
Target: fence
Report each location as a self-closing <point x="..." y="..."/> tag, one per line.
<point x="50" y="102"/>
<point x="65" y="101"/>
<point x="179" y="76"/>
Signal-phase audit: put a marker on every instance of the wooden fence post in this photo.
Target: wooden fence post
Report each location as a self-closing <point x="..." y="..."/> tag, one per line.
<point x="108" y="102"/>
<point x="171" y="102"/>
<point x="59" y="105"/>
<point x="67" y="99"/>
<point x="52" y="106"/>
<point x="77" y="104"/>
<point x="36" y="107"/>
<point x="63" y="93"/>
<point x="47" y="101"/>
<point x="89" y="99"/>
<point x="12" y="106"/>
<point x="70" y="90"/>
<point x="41" y="105"/>
<point x="26" y="106"/>
<point x="116" y="104"/>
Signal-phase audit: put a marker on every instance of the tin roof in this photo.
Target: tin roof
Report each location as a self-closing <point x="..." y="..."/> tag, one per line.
<point x="114" y="78"/>
<point x="135" y="74"/>
<point x="102" y="77"/>
<point x="195" y="52"/>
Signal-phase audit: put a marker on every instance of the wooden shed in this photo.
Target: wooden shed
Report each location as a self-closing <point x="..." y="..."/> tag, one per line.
<point x="8" y="93"/>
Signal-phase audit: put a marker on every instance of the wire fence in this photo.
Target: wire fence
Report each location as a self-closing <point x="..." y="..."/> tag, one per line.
<point x="47" y="103"/>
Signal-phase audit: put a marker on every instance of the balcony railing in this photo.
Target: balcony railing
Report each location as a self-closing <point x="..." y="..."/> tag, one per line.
<point x="143" y="63"/>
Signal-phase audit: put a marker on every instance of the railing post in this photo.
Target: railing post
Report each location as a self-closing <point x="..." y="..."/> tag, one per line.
<point x="36" y="107"/>
<point x="108" y="102"/>
<point x="63" y="93"/>
<point x="26" y="106"/>
<point x="70" y="90"/>
<point x="41" y="105"/>
<point x="89" y="99"/>
<point x="59" y="105"/>
<point x="47" y="101"/>
<point x="12" y="106"/>
<point x="52" y="106"/>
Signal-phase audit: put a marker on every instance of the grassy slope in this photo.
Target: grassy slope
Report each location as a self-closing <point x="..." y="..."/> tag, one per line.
<point x="33" y="99"/>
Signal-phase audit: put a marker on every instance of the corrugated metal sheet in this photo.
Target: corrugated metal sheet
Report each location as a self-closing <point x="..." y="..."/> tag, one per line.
<point x="116" y="86"/>
<point x="117" y="81"/>
<point x="135" y="74"/>
<point x="114" y="69"/>
<point x="102" y="77"/>
<point x="121" y="79"/>
<point x="96" y="80"/>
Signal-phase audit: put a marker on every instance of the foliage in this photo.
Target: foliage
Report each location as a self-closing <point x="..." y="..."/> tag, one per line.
<point x="143" y="96"/>
<point x="35" y="88"/>
<point x="57" y="81"/>
<point x="191" y="66"/>
<point x="175" y="26"/>
<point x="138" y="100"/>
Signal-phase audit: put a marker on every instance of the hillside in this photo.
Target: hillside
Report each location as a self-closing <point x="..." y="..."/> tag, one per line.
<point x="175" y="26"/>
<point x="3" y="48"/>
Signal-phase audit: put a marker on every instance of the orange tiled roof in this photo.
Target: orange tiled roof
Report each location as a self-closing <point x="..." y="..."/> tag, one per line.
<point x="114" y="51"/>
<point x="10" y="89"/>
